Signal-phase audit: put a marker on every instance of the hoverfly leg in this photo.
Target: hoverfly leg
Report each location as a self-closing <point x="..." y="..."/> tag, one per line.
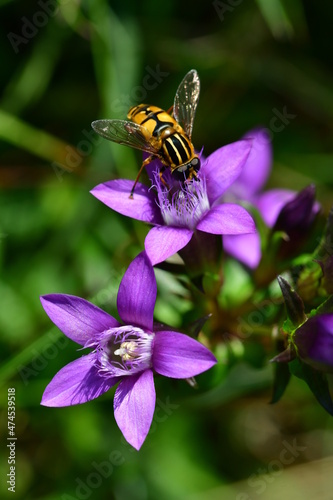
<point x="195" y="176"/>
<point x="170" y="110"/>
<point x="144" y="164"/>
<point x="162" y="178"/>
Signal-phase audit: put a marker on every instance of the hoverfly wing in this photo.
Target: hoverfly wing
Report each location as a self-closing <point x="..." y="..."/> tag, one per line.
<point x="124" y="132"/>
<point x="186" y="101"/>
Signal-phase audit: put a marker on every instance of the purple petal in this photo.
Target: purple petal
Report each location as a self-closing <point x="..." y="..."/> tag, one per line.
<point x="258" y="165"/>
<point x="137" y="293"/>
<point x="223" y="167"/>
<point x="245" y="248"/>
<point x="134" y="405"/>
<point x="178" y="356"/>
<point x="314" y="340"/>
<point x="77" y="318"/>
<point x="270" y="204"/>
<point x="115" y="194"/>
<point x="298" y="214"/>
<point x="163" y="241"/>
<point x="227" y="218"/>
<point x="76" y="383"/>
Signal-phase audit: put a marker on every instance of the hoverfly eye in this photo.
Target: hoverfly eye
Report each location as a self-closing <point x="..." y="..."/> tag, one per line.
<point x="179" y="174"/>
<point x="196" y="164"/>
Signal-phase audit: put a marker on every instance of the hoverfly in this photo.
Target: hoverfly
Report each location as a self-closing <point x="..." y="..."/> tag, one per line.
<point x="163" y="134"/>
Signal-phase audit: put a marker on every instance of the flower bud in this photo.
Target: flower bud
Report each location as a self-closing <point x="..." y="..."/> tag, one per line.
<point x="314" y="342"/>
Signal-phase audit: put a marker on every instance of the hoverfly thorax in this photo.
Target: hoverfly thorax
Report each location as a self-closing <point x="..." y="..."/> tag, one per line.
<point x="165" y="135"/>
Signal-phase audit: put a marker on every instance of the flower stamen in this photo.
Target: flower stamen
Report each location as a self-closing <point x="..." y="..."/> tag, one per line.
<point x="127" y="351"/>
<point x="182" y="205"/>
<point x="124" y="351"/>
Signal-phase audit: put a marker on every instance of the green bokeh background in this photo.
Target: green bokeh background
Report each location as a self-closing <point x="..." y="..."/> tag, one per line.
<point x="89" y="60"/>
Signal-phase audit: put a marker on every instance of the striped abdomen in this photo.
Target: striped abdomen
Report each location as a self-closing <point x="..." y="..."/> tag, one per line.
<point x="177" y="150"/>
<point x="173" y="146"/>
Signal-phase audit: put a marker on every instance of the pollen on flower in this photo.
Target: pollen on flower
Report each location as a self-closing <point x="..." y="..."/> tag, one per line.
<point x="127" y="350"/>
<point x="182" y="204"/>
<point x="124" y="350"/>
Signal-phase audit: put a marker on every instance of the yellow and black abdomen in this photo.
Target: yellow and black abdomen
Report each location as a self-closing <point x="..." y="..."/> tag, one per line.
<point x="172" y="145"/>
<point x="153" y="118"/>
<point x="177" y="150"/>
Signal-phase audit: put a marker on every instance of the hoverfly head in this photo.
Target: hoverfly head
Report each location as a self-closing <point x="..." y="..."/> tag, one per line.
<point x="187" y="171"/>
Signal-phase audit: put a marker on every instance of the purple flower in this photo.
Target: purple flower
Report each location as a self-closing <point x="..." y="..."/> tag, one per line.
<point x="177" y="211"/>
<point x="313" y="341"/>
<point x="126" y="352"/>
<point x="247" y="248"/>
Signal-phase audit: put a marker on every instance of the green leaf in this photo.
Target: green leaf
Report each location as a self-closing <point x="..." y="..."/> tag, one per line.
<point x="25" y="89"/>
<point x="317" y="382"/>
<point x="115" y="49"/>
<point x="241" y="380"/>
<point x="36" y="141"/>
<point x="326" y="307"/>
<point x="305" y="163"/>
<point x="196" y="326"/>
<point x="12" y="366"/>
<point x="237" y="286"/>
<point x="276" y="17"/>
<point x="281" y="380"/>
<point x="325" y="247"/>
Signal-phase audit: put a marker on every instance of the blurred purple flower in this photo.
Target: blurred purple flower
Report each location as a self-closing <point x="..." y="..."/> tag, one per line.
<point x="247" y="248"/>
<point x="127" y="353"/>
<point x="178" y="211"/>
<point x="314" y="342"/>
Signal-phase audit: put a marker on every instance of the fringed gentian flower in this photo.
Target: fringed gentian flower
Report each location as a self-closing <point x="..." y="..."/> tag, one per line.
<point x="126" y="353"/>
<point x="180" y="212"/>
<point x="313" y="342"/>
<point x="248" y="186"/>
